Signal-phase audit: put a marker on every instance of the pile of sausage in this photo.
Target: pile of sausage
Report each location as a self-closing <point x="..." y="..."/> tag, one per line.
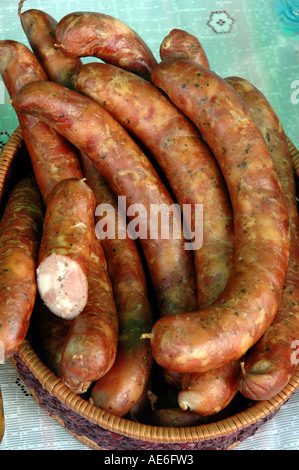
<point x="146" y="328"/>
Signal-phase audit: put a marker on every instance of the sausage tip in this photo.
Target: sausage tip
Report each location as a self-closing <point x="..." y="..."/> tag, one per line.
<point x="20" y="6"/>
<point x="242" y="366"/>
<point x="183" y="406"/>
<point x="147" y="336"/>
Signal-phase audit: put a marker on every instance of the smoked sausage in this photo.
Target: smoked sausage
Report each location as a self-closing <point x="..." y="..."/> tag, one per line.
<point x="180" y="44"/>
<point x="65" y="248"/>
<point x="210" y="392"/>
<point x="207" y="339"/>
<point x="20" y="233"/>
<point x="129" y="173"/>
<point x="124" y="384"/>
<point x="83" y="34"/>
<point x="39" y="28"/>
<point x="53" y="157"/>
<point x="203" y="392"/>
<point x="90" y="348"/>
<point x="48" y="333"/>
<point x="269" y="366"/>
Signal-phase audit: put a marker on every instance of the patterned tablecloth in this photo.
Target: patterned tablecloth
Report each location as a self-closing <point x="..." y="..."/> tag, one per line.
<point x="241" y="37"/>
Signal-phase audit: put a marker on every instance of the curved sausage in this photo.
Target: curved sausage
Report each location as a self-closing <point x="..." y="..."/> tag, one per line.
<point x="53" y="157"/>
<point x="187" y="162"/>
<point x="65" y="248"/>
<point x="39" y="28"/>
<point x="129" y="173"/>
<point x="90" y="348"/>
<point x="207" y="339"/>
<point x="210" y="392"/>
<point x="180" y="44"/>
<point x="83" y="34"/>
<point x="20" y="233"/>
<point x="269" y="366"/>
<point x="121" y="388"/>
<point x="207" y="392"/>
<point x="124" y="384"/>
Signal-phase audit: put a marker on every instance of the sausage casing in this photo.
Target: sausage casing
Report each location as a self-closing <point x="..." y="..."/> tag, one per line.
<point x="224" y="332"/>
<point x="90" y="348"/>
<point x="53" y="157"/>
<point x="82" y="34"/>
<point x="210" y="392"/>
<point x="124" y="384"/>
<point x="64" y="252"/>
<point x="20" y="233"/>
<point x="180" y="44"/>
<point x="39" y="28"/>
<point x="269" y="365"/>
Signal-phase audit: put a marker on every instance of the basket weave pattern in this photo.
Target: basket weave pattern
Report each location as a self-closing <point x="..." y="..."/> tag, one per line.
<point x="101" y="430"/>
<point x="103" y="438"/>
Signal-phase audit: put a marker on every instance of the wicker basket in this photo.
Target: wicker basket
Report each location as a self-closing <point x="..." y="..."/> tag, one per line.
<point x="101" y="430"/>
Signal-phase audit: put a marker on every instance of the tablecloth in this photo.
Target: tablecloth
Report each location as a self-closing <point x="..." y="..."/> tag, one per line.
<point x="240" y="37"/>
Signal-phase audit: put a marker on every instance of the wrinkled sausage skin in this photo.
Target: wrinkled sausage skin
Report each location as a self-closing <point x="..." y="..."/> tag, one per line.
<point x="83" y="34"/>
<point x="269" y="366"/>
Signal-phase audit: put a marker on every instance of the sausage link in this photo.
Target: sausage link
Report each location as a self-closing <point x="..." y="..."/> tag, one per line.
<point x="210" y="392"/>
<point x="268" y="366"/>
<point x="203" y="392"/>
<point x="83" y="34"/>
<point x="53" y="157"/>
<point x="65" y="248"/>
<point x="90" y="349"/>
<point x="39" y="28"/>
<point x="207" y="339"/>
<point x="121" y="388"/>
<point x="207" y="392"/>
<point x="20" y="233"/>
<point x="187" y="162"/>
<point x="180" y="44"/>
<point x="176" y="417"/>
<point x="128" y="172"/>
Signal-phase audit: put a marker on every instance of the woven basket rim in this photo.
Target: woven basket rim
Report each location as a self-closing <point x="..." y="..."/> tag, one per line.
<point x="152" y="433"/>
<point x="123" y="426"/>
